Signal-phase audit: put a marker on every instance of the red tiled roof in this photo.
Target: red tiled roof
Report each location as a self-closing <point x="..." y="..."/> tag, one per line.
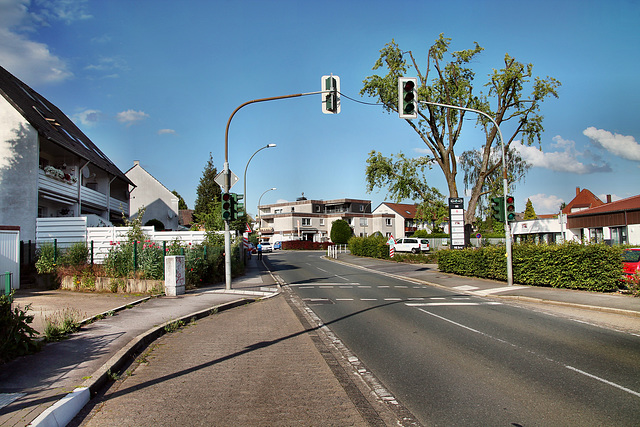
<point x="403" y="209"/>
<point x="628" y="204"/>
<point x="584" y="199"/>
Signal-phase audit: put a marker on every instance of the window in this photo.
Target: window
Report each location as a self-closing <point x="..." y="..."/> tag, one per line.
<point x="388" y="222"/>
<point x="363" y="222"/>
<point x="321" y="221"/>
<point x="277" y="211"/>
<point x="317" y="208"/>
<point x="361" y="208"/>
<point x="306" y="222"/>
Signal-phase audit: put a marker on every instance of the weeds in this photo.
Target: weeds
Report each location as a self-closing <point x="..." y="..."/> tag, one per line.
<point x="174" y="326"/>
<point x="61" y="323"/>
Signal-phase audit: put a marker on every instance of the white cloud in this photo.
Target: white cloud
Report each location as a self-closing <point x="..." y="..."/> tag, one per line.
<point x="88" y="117"/>
<point x="166" y="131"/>
<point x="618" y="145"/>
<point x="130" y="116"/>
<point x="544" y="204"/>
<point x="564" y="159"/>
<point x="29" y="60"/>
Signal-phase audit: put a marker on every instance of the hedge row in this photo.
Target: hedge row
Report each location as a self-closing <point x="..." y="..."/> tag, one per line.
<point x="372" y="246"/>
<point x="570" y="265"/>
<point x="305" y="245"/>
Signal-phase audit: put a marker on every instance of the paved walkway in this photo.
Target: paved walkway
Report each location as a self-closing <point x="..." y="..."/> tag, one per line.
<point x="251" y="358"/>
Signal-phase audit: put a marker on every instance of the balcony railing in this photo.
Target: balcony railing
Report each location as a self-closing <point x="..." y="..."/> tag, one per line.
<point x="67" y="189"/>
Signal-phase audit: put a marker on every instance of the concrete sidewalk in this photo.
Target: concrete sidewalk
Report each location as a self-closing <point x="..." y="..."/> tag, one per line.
<point x="429" y="274"/>
<point x="31" y="385"/>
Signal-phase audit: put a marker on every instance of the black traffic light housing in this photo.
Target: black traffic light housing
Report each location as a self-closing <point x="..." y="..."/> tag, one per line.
<point x="407" y="97"/>
<point x="511" y="209"/>
<point x="227" y="207"/>
<point x="497" y="209"/>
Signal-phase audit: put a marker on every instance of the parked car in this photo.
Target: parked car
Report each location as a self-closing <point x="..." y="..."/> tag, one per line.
<point x="408" y="245"/>
<point x="631" y="262"/>
<point x="266" y="247"/>
<point x="424" y="245"/>
<point x="277" y="245"/>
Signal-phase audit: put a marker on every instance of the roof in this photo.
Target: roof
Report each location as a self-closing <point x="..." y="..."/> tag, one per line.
<point x="52" y="124"/>
<point x="405" y="210"/>
<point x="583" y="200"/>
<point x="136" y="165"/>
<point x="628" y="204"/>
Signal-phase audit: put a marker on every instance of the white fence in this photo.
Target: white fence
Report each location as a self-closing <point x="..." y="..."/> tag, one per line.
<point x="67" y="231"/>
<point x="9" y="258"/>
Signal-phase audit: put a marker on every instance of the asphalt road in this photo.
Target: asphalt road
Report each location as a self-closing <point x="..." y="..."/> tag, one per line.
<point x="455" y="359"/>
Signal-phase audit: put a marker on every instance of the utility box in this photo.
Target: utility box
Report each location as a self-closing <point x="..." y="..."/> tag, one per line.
<point x="174" y="279"/>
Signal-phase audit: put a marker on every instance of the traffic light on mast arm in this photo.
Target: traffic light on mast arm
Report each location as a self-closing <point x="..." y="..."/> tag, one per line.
<point x="497" y="209"/>
<point x="511" y="209"/>
<point x="331" y="99"/>
<point x="227" y="207"/>
<point x="408" y="97"/>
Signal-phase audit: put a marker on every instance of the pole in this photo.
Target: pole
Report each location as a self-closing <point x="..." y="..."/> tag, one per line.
<point x="505" y="189"/>
<point x="227" y="177"/>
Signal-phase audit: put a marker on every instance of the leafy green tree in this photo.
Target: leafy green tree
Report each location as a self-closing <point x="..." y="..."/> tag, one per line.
<point x="207" y="208"/>
<point x="451" y="82"/>
<point x="181" y="203"/>
<point x="341" y="232"/>
<point x="529" y="212"/>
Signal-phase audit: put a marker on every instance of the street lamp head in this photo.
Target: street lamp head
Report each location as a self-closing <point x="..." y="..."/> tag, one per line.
<point x="274" y="188"/>
<point x="271" y="145"/>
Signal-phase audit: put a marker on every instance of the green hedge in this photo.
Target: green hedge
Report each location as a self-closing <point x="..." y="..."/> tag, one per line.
<point x="373" y="246"/>
<point x="570" y="265"/>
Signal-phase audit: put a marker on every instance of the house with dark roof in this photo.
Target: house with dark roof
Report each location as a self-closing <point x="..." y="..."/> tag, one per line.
<point x="158" y="201"/>
<point x="49" y="167"/>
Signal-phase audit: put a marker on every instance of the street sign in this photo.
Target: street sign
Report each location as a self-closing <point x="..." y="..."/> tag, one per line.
<point x="219" y="179"/>
<point x="456" y="222"/>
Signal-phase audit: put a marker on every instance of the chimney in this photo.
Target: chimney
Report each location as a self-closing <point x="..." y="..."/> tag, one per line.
<point x="608" y="198"/>
<point x="136" y="162"/>
<point x="577" y="190"/>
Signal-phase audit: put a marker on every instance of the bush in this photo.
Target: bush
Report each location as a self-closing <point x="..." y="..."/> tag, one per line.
<point x="341" y="232"/>
<point x="305" y="245"/>
<point x="595" y="267"/>
<point x="76" y="255"/>
<point x="17" y="337"/>
<point x="372" y="246"/>
<point x="46" y="256"/>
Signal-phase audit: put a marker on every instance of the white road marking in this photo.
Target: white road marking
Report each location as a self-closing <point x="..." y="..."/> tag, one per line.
<point x="401" y="286"/>
<point x="344" y="299"/>
<point x="393" y="299"/>
<point x="465" y="288"/>
<point x="440" y="304"/>
<point x="383" y="286"/>
<point x="368" y="299"/>
<point x="602" y="380"/>
<point x="498" y="290"/>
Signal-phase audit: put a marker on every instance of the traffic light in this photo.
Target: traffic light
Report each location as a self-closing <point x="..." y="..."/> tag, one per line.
<point x="227" y="207"/>
<point x="407" y="97"/>
<point x="237" y="208"/>
<point x="331" y="99"/>
<point x="511" y="209"/>
<point x="497" y="209"/>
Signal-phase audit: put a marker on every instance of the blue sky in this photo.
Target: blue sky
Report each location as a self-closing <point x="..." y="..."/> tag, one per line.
<point x="156" y="81"/>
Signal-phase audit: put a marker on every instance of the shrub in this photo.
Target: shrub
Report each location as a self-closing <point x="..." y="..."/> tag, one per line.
<point x="595" y="267"/>
<point x="46" y="262"/>
<point x="372" y="246"/>
<point x="76" y="255"/>
<point x="341" y="232"/>
<point x="305" y="245"/>
<point x="17" y="337"/>
<point x="61" y="323"/>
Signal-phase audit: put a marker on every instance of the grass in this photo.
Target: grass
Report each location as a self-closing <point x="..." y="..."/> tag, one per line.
<point x="62" y="323"/>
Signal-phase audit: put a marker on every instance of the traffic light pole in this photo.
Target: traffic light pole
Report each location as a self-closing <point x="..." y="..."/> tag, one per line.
<point x="505" y="189"/>
<point x="227" y="177"/>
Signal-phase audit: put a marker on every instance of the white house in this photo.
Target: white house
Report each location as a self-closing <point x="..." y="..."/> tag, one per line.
<point x="49" y="167"/>
<point x="398" y="219"/>
<point x="160" y="203"/>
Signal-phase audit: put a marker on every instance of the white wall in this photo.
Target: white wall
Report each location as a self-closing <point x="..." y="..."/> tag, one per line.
<point x="18" y="171"/>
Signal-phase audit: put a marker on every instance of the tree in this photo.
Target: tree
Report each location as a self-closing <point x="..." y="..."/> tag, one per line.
<point x="181" y="203"/>
<point x="529" y="212"/>
<point x="208" y="196"/>
<point x="341" y="232"/>
<point x="440" y="128"/>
